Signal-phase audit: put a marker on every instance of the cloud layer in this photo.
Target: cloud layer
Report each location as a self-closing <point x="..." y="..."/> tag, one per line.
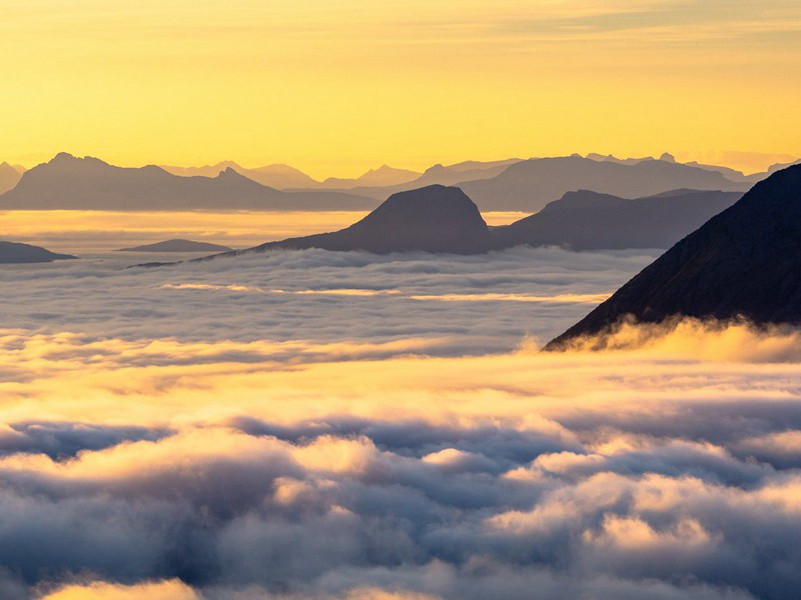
<point x="183" y="453"/>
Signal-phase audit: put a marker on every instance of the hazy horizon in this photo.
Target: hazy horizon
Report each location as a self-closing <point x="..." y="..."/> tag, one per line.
<point x="337" y="89"/>
<point x="748" y="163"/>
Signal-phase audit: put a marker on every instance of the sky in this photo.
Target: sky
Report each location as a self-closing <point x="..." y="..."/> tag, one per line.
<point x="336" y="88"/>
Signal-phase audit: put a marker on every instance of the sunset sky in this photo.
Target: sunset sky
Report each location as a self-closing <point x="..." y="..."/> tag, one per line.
<point x="336" y="88"/>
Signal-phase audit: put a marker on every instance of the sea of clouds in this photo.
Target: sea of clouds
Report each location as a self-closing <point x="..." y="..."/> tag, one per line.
<point x="339" y="425"/>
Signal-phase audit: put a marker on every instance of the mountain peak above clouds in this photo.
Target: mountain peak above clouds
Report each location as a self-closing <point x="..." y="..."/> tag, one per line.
<point x="744" y="262"/>
<point x="430" y="219"/>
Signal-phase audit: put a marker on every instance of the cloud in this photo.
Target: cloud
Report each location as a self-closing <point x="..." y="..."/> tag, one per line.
<point x="259" y="453"/>
<point x="166" y="590"/>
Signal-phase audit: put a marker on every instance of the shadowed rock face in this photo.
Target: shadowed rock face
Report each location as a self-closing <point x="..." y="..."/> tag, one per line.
<point x="177" y="246"/>
<point x="586" y="220"/>
<point x="431" y="219"/>
<point x="745" y="261"/>
<point x="12" y="253"/>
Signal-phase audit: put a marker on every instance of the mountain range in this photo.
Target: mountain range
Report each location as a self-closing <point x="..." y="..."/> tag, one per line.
<point x="67" y="182"/>
<point x="529" y="185"/>
<point x="744" y="262"/>
<point x="278" y="176"/>
<point x="444" y="219"/>
<point x="586" y="220"/>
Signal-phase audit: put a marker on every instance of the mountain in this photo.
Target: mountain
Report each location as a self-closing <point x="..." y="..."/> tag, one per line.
<point x="586" y="220"/>
<point x="12" y="252"/>
<point x="529" y="185"/>
<point x="430" y="219"/>
<point x="439" y="175"/>
<point x="728" y="173"/>
<point x="177" y="245"/>
<point x="746" y="261"/>
<point x="614" y="159"/>
<point x="779" y="166"/>
<point x="9" y="177"/>
<point x="277" y="176"/>
<point x="67" y="182"/>
<point x="381" y="177"/>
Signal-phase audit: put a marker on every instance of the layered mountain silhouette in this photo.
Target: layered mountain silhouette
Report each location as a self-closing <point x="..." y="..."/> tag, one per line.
<point x="177" y="245"/>
<point x="285" y="177"/>
<point x="586" y="220"/>
<point x="9" y="177"/>
<point x="13" y="252"/>
<point x="67" y="182"/>
<point x="443" y="219"/>
<point x="529" y="185"/>
<point x="430" y="219"/>
<point x="278" y="176"/>
<point x="383" y="176"/>
<point x="744" y="262"/>
<point x="438" y="175"/>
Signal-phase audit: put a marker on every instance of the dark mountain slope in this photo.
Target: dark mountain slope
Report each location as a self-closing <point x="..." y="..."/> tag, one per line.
<point x="746" y="261"/>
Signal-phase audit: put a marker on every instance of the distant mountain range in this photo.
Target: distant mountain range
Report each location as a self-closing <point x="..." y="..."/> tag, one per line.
<point x="443" y="219"/>
<point x="507" y="185"/>
<point x="276" y="176"/>
<point x="12" y="252"/>
<point x="744" y="262"/>
<point x="586" y="220"/>
<point x="530" y="185"/>
<point x="383" y="176"/>
<point x="177" y="245"/>
<point x="284" y="177"/>
<point x="67" y="182"/>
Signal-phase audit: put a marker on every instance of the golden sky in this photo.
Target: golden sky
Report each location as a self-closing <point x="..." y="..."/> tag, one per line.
<point x="335" y="88"/>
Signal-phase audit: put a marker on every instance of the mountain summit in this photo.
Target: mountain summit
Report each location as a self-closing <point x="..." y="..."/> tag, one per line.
<point x="744" y="262"/>
<point x="430" y="219"/>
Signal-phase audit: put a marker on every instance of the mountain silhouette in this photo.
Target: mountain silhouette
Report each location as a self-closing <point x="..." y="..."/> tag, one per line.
<point x="587" y="220"/>
<point x="430" y="219"/>
<point x="67" y="182"/>
<point x="278" y="176"/>
<point x="383" y="176"/>
<point x="437" y="175"/>
<point x="529" y="185"/>
<point x="744" y="262"/>
<point x="13" y="252"/>
<point x="9" y="177"/>
<point x="177" y="245"/>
